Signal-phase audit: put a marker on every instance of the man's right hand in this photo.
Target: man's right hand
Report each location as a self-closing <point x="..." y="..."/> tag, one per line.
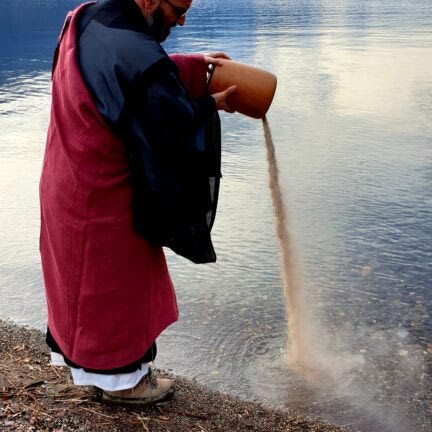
<point x="221" y="99"/>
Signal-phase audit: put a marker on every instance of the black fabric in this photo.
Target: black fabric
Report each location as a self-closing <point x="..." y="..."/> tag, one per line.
<point x="185" y="173"/>
<point x="171" y="140"/>
<point x="148" y="357"/>
<point x="114" y="53"/>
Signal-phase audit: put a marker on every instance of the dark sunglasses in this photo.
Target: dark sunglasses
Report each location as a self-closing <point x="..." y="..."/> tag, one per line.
<point x="180" y="12"/>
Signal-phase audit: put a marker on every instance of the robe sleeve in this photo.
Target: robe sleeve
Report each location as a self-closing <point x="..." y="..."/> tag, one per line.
<point x="169" y="118"/>
<point x="192" y="72"/>
<point x="175" y="153"/>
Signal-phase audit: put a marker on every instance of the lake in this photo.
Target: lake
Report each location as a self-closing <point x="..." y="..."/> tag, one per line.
<point x="352" y="126"/>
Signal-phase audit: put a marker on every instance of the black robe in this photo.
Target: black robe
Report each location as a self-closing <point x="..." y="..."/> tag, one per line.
<point x="172" y="141"/>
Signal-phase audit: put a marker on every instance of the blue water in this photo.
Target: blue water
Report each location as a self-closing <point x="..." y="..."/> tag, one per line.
<point x="352" y="126"/>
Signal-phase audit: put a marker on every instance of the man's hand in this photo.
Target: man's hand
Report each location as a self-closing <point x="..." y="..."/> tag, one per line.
<point x="214" y="58"/>
<point x="221" y="99"/>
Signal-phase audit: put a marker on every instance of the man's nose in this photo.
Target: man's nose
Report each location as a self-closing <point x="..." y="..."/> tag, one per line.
<point x="181" y="21"/>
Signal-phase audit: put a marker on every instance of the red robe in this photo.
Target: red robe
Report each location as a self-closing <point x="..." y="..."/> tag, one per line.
<point x="109" y="293"/>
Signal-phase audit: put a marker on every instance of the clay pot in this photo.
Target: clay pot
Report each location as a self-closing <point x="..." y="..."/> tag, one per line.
<point x="255" y="87"/>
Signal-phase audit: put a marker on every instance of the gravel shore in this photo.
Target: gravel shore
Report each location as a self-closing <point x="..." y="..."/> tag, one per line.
<point x="38" y="397"/>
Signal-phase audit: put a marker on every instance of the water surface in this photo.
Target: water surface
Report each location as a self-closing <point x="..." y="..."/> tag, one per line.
<point x="351" y="122"/>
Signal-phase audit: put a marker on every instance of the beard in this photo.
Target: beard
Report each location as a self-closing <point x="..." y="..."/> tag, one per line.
<point x="156" y="27"/>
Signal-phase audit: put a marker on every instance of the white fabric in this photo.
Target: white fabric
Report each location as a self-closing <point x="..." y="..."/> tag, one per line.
<point x="104" y="382"/>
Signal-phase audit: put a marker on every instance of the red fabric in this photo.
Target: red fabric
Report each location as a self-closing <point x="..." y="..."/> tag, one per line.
<point x="193" y="73"/>
<point x="109" y="293"/>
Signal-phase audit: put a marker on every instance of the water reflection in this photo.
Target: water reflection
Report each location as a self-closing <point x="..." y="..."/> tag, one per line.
<point x="351" y="123"/>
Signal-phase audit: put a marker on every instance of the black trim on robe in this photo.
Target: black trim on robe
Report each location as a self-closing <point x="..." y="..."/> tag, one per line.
<point x="148" y="357"/>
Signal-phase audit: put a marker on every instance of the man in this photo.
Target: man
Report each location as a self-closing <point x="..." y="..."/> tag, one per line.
<point x="132" y="163"/>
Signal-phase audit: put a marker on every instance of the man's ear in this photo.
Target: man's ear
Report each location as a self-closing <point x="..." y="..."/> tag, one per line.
<point x="147" y="7"/>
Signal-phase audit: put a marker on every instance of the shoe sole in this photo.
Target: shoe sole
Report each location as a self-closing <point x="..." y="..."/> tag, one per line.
<point x="137" y="401"/>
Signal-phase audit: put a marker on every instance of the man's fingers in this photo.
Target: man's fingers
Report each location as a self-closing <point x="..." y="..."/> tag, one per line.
<point x="230" y="90"/>
<point x="219" y="54"/>
<point x="221" y="98"/>
<point x="212" y="60"/>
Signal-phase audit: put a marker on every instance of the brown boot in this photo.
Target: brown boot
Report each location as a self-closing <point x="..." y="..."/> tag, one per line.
<point x="148" y="391"/>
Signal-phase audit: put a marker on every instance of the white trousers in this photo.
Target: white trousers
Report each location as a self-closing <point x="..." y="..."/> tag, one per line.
<point x="105" y="382"/>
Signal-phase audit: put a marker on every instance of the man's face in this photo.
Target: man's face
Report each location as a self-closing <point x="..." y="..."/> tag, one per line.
<point x="168" y="14"/>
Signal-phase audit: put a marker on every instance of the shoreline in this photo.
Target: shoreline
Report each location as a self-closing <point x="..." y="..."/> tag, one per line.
<point x="36" y="396"/>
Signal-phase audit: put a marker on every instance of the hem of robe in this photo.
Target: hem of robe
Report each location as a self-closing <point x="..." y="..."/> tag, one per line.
<point x="131" y="367"/>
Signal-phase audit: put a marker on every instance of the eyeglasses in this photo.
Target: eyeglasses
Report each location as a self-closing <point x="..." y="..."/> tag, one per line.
<point x="180" y="12"/>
